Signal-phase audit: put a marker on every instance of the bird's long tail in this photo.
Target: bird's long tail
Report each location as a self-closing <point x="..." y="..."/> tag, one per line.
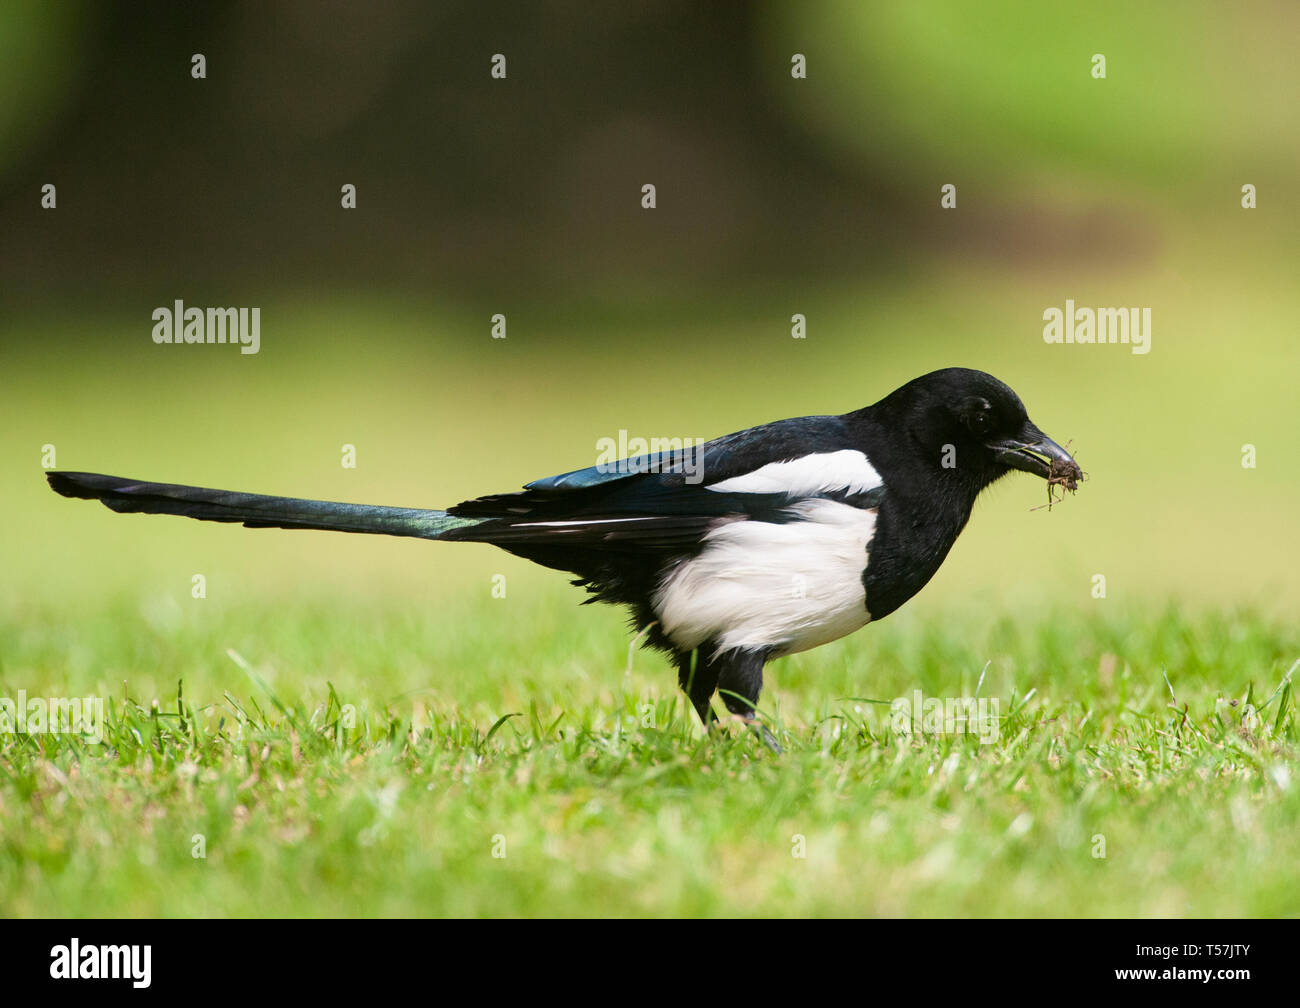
<point x="255" y="510"/>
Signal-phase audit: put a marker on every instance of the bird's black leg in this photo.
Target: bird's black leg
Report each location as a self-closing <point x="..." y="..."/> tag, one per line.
<point x="740" y="680"/>
<point x="698" y="678"/>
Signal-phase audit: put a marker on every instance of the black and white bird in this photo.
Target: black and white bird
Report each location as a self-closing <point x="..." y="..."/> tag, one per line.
<point x="755" y="545"/>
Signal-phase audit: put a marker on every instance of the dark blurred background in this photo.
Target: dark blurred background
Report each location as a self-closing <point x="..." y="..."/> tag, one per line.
<point x="467" y="184"/>
<point x="775" y="196"/>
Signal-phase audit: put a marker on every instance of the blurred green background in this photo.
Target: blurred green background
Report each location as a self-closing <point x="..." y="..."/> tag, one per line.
<point x="776" y="196"/>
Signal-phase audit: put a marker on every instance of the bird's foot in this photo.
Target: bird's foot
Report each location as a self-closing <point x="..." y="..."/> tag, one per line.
<point x="758" y="728"/>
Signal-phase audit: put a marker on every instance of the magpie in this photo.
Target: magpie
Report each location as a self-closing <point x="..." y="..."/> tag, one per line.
<point x="749" y="547"/>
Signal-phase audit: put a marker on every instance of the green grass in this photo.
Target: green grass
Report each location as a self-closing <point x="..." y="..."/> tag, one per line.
<point x="363" y="759"/>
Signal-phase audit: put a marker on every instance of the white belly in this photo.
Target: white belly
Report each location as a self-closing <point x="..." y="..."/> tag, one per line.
<point x="783" y="587"/>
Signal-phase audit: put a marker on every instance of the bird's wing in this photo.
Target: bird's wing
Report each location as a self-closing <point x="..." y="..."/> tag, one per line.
<point x="754" y="474"/>
<point x="716" y="460"/>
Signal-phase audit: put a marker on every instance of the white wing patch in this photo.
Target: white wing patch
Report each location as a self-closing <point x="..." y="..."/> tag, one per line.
<point x="788" y="587"/>
<point x="808" y="476"/>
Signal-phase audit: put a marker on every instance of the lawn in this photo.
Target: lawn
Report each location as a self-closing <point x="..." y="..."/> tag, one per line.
<point x="318" y="755"/>
<point x="355" y="725"/>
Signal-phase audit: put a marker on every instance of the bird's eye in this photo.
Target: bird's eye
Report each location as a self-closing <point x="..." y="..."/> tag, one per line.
<point x="978" y="416"/>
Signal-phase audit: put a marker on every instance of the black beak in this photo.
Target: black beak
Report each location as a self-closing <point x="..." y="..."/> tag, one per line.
<point x="1034" y="452"/>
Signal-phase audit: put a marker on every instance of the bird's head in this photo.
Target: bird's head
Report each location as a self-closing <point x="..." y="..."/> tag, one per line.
<point x="971" y="423"/>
